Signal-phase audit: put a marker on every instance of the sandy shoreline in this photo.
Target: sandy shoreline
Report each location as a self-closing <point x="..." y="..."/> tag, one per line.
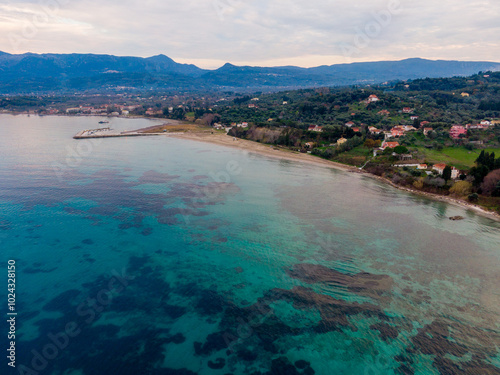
<point x="263" y="149"/>
<point x="267" y="150"/>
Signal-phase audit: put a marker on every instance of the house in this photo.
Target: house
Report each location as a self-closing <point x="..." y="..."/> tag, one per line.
<point x="384" y="112"/>
<point x="373" y="98"/>
<point x="315" y="128"/>
<point x="423" y="123"/>
<point x="428" y="130"/>
<point x="485" y="122"/>
<point x="457" y="130"/>
<point x="285" y="103"/>
<point x="408" y="110"/>
<point x="439" y="168"/>
<point x="465" y="95"/>
<point x="310" y="144"/>
<point x="422" y="166"/>
<point x="356" y="130"/>
<point x="374" y="130"/>
<point x="409" y="128"/>
<point x="341" y="141"/>
<point x="252" y="106"/>
<point x="414" y="118"/>
<point x="389" y="145"/>
<point x="349" y="124"/>
<point x="397" y="131"/>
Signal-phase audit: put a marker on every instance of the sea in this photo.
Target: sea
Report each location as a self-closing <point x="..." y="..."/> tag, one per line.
<point x="157" y="255"/>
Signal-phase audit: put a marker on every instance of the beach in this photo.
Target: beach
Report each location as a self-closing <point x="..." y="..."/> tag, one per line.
<point x="281" y="153"/>
<point x="263" y="149"/>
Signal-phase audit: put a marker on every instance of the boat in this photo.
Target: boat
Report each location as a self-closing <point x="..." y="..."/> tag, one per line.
<point x="103" y="122"/>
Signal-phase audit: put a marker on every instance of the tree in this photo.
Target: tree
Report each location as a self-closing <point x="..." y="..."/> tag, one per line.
<point x="479" y="173"/>
<point x="491" y="183"/>
<point x="447" y="173"/>
<point x="370" y="143"/>
<point x="400" y="150"/>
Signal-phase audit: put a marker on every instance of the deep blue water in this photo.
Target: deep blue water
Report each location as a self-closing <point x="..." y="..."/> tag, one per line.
<point x="155" y="255"/>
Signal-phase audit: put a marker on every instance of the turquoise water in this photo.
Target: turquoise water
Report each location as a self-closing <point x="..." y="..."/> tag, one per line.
<point x="233" y="263"/>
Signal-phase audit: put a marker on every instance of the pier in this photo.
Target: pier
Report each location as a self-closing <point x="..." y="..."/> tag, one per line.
<point x="109" y="133"/>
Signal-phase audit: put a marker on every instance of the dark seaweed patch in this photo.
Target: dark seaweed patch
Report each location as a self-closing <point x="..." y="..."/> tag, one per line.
<point x="63" y="302"/>
<point x="154" y="177"/>
<point x="301" y="364"/>
<point x="210" y="303"/>
<point x="213" y="343"/>
<point x="442" y="339"/>
<point x="173" y="311"/>
<point x="246" y="355"/>
<point x="404" y="370"/>
<point x="39" y="270"/>
<point x="386" y="331"/>
<point x="104" y="349"/>
<point x="363" y="283"/>
<point x="218" y="364"/>
<point x="334" y="313"/>
<point x="282" y="366"/>
<point x="178" y="338"/>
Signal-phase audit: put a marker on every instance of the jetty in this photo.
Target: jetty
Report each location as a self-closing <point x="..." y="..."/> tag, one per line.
<point x="109" y="133"/>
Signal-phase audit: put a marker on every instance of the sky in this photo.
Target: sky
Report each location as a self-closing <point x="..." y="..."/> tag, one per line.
<point x="209" y="33"/>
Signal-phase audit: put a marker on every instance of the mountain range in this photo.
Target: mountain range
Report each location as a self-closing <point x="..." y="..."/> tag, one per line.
<point x="39" y="73"/>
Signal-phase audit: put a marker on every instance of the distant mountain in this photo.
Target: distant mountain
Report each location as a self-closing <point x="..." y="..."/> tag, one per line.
<point x="34" y="73"/>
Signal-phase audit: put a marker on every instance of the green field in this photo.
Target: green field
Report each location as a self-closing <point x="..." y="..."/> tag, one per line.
<point x="456" y="156"/>
<point x="357" y="156"/>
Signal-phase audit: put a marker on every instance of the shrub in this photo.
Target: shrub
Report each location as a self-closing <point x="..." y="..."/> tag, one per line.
<point x="438" y="181"/>
<point x="461" y="188"/>
<point x="416" y="173"/>
<point x="473" y="197"/>
<point x="419" y="184"/>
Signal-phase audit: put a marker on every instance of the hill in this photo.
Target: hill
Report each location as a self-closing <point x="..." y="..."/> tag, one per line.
<point x="39" y="73"/>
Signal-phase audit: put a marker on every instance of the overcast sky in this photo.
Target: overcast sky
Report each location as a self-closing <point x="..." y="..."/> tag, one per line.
<point x="209" y="33"/>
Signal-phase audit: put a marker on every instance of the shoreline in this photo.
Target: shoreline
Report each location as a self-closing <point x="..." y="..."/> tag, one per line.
<point x="275" y="152"/>
<point x="280" y="153"/>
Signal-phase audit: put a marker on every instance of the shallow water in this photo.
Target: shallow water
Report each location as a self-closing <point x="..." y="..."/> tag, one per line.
<point x="232" y="262"/>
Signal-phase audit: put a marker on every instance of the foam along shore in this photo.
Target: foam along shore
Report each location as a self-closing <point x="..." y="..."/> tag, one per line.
<point x="276" y="152"/>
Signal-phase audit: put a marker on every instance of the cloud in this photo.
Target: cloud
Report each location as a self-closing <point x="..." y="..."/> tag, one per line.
<point x="256" y="32"/>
